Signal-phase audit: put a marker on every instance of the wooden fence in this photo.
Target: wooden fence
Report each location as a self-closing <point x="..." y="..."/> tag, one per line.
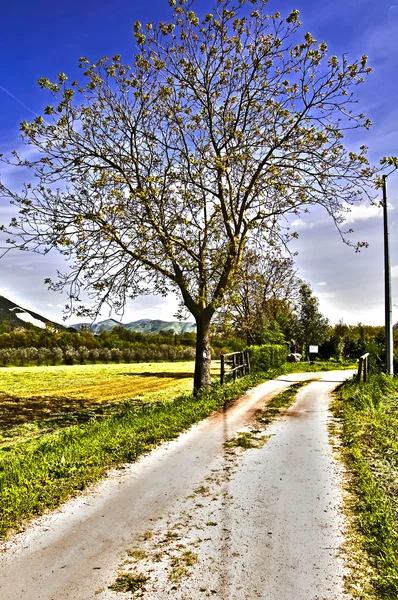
<point x="234" y="363"/>
<point x="363" y="367"/>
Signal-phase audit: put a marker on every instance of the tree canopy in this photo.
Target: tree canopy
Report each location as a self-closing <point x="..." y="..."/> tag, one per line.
<point x="309" y="325"/>
<point x="260" y="306"/>
<point x="156" y="175"/>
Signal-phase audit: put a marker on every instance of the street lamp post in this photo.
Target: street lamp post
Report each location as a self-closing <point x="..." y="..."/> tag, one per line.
<point x="389" y="364"/>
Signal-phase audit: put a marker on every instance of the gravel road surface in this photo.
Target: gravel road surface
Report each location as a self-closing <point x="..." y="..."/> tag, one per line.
<point x="199" y="517"/>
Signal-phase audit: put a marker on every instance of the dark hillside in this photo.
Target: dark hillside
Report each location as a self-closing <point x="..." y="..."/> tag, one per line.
<point x="10" y="313"/>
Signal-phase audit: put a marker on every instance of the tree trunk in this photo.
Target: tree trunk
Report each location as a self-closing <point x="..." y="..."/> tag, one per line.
<point x="202" y="378"/>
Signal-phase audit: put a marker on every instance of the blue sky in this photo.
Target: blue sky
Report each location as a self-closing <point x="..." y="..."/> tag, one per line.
<point x="42" y="38"/>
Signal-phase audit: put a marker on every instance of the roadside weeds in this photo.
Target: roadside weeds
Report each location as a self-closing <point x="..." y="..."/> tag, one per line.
<point x="367" y="424"/>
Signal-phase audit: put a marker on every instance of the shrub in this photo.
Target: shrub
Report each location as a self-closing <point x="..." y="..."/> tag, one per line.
<point x="82" y="354"/>
<point x="56" y="355"/>
<point x="69" y="355"/>
<point x="266" y="357"/>
<point x="94" y="355"/>
<point x="43" y="356"/>
<point x="5" y="356"/>
<point x="105" y="355"/>
<point x="126" y="354"/>
<point x="116" y="355"/>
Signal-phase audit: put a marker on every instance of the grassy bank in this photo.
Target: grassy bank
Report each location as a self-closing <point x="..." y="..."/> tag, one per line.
<point x="42" y="473"/>
<point x="369" y="428"/>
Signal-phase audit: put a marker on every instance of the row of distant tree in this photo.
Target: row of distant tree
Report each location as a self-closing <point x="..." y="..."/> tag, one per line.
<point x="82" y="355"/>
<point x="119" y="337"/>
<point x="272" y="306"/>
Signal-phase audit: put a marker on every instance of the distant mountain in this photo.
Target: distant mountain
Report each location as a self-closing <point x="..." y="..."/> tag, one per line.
<point x="106" y="325"/>
<point x="141" y="326"/>
<point x="17" y="316"/>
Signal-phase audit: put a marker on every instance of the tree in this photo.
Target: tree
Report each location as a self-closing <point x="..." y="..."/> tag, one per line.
<point x="155" y="176"/>
<point x="260" y="304"/>
<point x="82" y="354"/>
<point x="309" y="326"/>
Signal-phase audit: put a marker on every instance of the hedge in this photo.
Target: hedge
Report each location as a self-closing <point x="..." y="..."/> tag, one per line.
<point x="266" y="357"/>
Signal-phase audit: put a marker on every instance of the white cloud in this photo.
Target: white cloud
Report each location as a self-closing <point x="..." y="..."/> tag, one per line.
<point x="321" y="283"/>
<point x="394" y="271"/>
<point x="361" y="212"/>
<point x="300" y="224"/>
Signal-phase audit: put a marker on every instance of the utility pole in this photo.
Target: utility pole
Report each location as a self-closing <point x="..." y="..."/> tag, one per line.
<point x="389" y="364"/>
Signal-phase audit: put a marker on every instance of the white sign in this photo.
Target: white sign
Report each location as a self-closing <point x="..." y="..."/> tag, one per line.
<point x="313" y="350"/>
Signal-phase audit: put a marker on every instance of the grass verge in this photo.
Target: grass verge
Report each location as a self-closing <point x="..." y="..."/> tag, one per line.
<point x="44" y="472"/>
<point x="306" y="367"/>
<point x="368" y="414"/>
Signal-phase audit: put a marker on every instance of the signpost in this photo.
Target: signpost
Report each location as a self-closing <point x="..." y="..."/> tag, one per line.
<point x="312" y="350"/>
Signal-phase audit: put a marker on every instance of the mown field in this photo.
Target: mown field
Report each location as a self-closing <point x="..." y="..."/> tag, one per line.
<point x="36" y="400"/>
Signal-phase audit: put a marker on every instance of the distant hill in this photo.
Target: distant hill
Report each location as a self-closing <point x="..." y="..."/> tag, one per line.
<point x="141" y="326"/>
<point x="17" y="316"/>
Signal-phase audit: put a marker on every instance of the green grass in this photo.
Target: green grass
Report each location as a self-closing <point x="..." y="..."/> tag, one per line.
<point x="44" y="472"/>
<point x="103" y="381"/>
<point x="180" y="565"/>
<point x="306" y="367"/>
<point x="126" y="582"/>
<point x="246" y="440"/>
<point x="281" y="401"/>
<point x="368" y="413"/>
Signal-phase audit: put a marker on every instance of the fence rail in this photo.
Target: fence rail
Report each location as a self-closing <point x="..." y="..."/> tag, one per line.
<point x="363" y="367"/>
<point x="234" y="363"/>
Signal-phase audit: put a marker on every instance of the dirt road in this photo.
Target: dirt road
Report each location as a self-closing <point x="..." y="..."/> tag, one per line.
<point x="200" y="518"/>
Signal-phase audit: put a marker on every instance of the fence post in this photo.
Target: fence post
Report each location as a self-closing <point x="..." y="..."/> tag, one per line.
<point x="222" y="373"/>
<point x="360" y="366"/>
<point x="248" y="361"/>
<point x="363" y="368"/>
<point x="234" y="366"/>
